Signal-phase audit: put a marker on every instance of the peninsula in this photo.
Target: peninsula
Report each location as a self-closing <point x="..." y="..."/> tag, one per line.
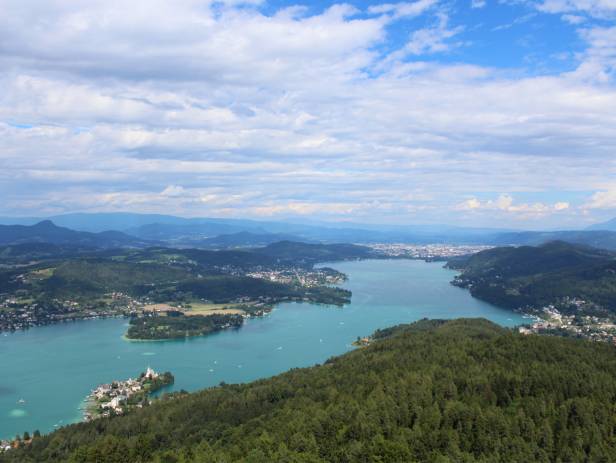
<point x="40" y="286"/>
<point x="119" y="397"/>
<point x="568" y="289"/>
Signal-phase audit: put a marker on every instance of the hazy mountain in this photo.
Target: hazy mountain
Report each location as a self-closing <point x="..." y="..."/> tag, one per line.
<point x="177" y="229"/>
<point x="100" y="221"/>
<point x="36" y="250"/>
<point x="609" y="225"/>
<point x="185" y="231"/>
<point x="595" y="238"/>
<point x="244" y="239"/>
<point x="312" y="253"/>
<point x="180" y="231"/>
<point x="47" y="232"/>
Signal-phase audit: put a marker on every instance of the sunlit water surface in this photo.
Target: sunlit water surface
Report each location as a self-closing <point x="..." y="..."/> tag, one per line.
<point x="46" y="372"/>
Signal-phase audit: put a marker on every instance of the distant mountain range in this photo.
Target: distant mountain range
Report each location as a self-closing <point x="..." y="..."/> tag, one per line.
<point x="211" y="233"/>
<point x="609" y="225"/>
<point x="290" y="251"/>
<point x="47" y="232"/>
<point x="596" y="238"/>
<point x="182" y="231"/>
<point x="244" y="239"/>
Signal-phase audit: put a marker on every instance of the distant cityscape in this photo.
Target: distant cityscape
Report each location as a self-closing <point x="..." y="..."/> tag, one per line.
<point x="426" y="251"/>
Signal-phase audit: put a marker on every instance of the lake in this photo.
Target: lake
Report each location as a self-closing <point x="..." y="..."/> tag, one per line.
<point x="53" y="368"/>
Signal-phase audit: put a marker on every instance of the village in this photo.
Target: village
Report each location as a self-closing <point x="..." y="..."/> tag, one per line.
<point x="429" y="252"/>
<point x="25" y="439"/>
<point x="19" y="314"/>
<point x="115" y="398"/>
<point x="118" y="397"/>
<point x="550" y="320"/>
<point x="308" y="278"/>
<point x="22" y="310"/>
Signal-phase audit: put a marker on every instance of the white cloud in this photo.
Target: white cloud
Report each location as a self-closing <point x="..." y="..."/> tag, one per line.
<point x="505" y="203"/>
<point x="561" y="206"/>
<point x="573" y="19"/>
<point x="230" y="111"/>
<point x="173" y="191"/>
<point x="599" y="8"/>
<point x="305" y="208"/>
<point x="433" y="39"/>
<point x="403" y="9"/>
<point x="598" y="62"/>
<point x="602" y="200"/>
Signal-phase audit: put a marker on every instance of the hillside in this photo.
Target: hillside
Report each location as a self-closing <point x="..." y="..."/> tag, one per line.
<point x="243" y="239"/>
<point x="24" y="252"/>
<point x="47" y="232"/>
<point x="96" y="277"/>
<point x="41" y="283"/>
<point x="537" y="276"/>
<point x="432" y="391"/>
<point x="312" y="253"/>
<point x="598" y="238"/>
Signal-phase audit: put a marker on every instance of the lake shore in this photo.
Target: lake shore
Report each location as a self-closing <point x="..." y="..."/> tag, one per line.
<point x="385" y="293"/>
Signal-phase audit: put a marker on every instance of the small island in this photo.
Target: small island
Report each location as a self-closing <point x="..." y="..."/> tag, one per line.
<point x="190" y="318"/>
<point x="176" y="325"/>
<point x="119" y="397"/>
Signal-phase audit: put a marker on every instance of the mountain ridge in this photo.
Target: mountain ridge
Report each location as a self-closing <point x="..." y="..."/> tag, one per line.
<point x="47" y="232"/>
<point x="533" y="277"/>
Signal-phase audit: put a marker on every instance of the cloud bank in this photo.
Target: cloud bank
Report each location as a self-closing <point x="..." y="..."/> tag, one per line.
<point x="239" y="109"/>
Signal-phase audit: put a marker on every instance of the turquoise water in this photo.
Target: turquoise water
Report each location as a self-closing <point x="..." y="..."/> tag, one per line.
<point x="53" y="368"/>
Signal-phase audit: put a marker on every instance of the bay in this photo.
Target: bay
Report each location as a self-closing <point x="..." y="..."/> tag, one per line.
<point x="46" y="372"/>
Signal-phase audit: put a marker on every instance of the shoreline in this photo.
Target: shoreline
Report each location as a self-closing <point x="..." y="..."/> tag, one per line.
<point x="202" y="346"/>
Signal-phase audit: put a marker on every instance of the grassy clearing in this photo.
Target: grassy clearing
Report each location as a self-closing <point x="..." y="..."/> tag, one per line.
<point x="43" y="273"/>
<point x="199" y="308"/>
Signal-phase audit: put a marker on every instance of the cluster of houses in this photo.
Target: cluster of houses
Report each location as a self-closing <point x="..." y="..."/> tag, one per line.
<point x="301" y="276"/>
<point x="426" y="251"/>
<point x="5" y="445"/>
<point x="111" y="398"/>
<point x="20" y="315"/>
<point x="552" y="321"/>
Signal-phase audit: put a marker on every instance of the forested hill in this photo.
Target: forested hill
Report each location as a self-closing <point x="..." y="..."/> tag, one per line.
<point x="433" y="391"/>
<point x="537" y="276"/>
<point x="47" y="232"/>
<point x="312" y="253"/>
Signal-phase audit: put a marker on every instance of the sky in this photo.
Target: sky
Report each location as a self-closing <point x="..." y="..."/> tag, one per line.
<point x="476" y="113"/>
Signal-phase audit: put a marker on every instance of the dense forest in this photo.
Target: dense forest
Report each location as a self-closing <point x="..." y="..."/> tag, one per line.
<point x="180" y="326"/>
<point x="161" y="274"/>
<point x="536" y="276"/>
<point x="221" y="289"/>
<point x="432" y="391"/>
<point x="291" y="251"/>
<point x="47" y="232"/>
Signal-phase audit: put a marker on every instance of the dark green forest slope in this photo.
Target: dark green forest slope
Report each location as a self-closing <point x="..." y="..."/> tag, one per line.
<point x="536" y="276"/>
<point x="432" y="391"/>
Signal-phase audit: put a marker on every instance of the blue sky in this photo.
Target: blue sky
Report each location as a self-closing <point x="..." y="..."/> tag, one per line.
<point x="487" y="113"/>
